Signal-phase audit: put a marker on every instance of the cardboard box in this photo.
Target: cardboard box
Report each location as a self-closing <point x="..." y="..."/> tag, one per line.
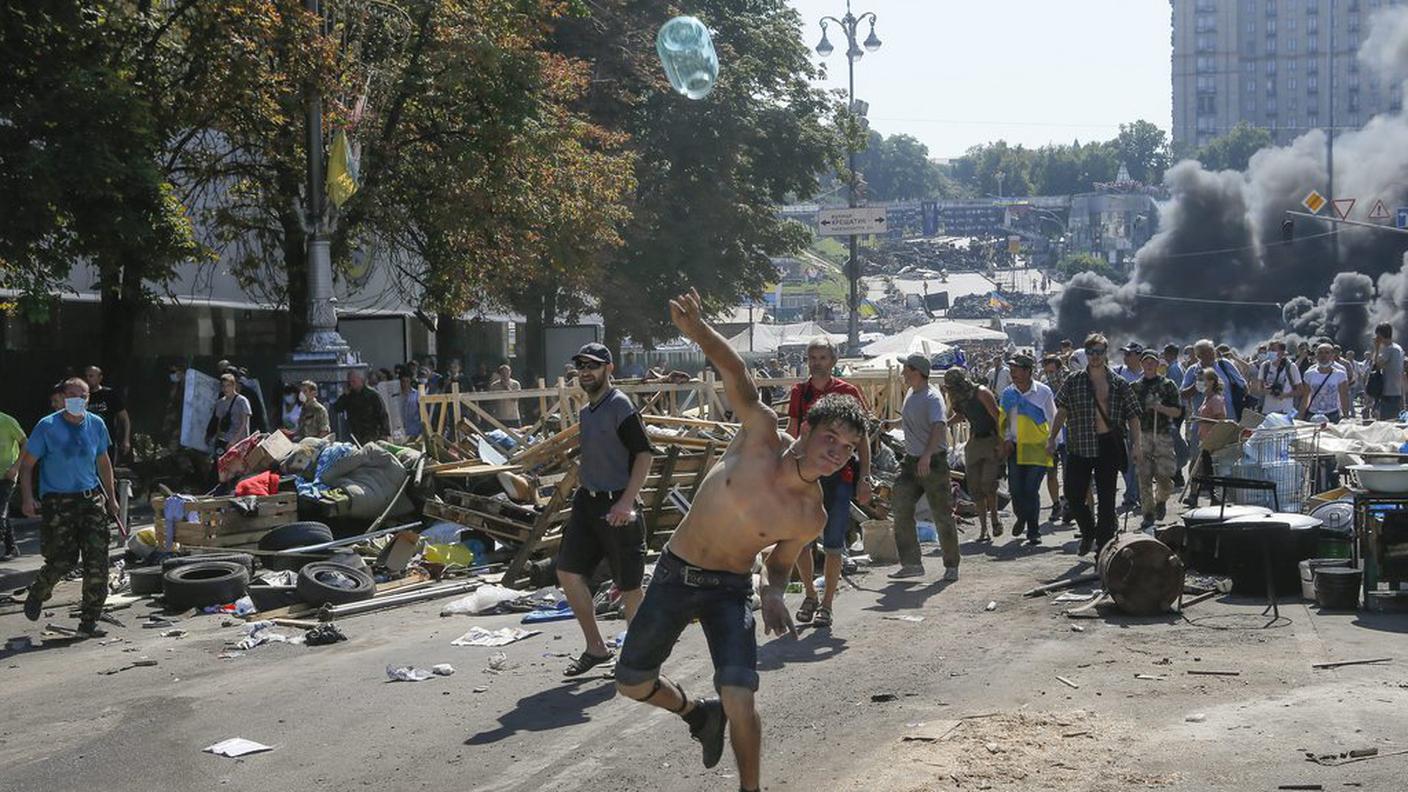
<point x="268" y="454"/>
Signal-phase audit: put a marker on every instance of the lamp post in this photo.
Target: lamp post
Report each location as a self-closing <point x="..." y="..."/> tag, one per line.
<point x="854" y="52"/>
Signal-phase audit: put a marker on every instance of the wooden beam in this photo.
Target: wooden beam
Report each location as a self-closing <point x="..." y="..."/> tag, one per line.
<point x="667" y="475"/>
<point x="560" y="497"/>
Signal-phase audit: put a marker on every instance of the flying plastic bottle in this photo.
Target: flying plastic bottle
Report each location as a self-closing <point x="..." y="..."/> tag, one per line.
<point x="688" y="56"/>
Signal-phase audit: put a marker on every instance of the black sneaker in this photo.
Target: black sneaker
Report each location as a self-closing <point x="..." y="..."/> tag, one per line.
<point x="33" y="606"/>
<point x="1085" y="543"/>
<point x="1055" y="513"/>
<point x="90" y="629"/>
<point x="710" y="732"/>
<point x="1161" y="512"/>
<point x="1178" y="481"/>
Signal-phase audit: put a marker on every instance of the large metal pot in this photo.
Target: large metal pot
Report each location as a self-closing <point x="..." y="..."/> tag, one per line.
<point x="1388" y="479"/>
<point x="1142" y="574"/>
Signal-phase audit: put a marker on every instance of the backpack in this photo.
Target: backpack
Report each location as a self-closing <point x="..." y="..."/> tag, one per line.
<point x="1237" y="396"/>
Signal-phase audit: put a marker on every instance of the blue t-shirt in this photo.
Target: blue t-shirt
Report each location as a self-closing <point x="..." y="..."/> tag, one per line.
<point x="68" y="453"/>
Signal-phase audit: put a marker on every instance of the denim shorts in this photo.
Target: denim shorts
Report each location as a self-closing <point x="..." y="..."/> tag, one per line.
<point x="836" y="495"/>
<point x="678" y="594"/>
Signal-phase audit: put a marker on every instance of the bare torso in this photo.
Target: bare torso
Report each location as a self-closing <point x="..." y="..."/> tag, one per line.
<point x="1101" y="388"/>
<point x="749" y="501"/>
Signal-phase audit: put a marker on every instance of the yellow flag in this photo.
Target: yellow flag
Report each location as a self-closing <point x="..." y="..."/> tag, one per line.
<point x="342" y="171"/>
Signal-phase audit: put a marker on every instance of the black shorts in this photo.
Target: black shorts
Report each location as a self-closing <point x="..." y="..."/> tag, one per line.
<point x="678" y="594"/>
<point x="587" y="538"/>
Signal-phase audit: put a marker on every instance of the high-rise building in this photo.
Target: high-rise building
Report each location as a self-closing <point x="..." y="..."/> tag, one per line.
<point x="1285" y="65"/>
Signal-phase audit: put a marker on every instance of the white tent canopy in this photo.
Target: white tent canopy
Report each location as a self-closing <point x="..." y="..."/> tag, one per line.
<point x="895" y="359"/>
<point x="941" y="332"/>
<point x="770" y="337"/>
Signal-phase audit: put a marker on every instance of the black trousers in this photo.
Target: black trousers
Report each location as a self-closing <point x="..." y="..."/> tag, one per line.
<point x="1105" y="469"/>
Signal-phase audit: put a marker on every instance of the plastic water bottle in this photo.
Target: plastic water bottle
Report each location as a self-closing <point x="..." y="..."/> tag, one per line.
<point x="687" y="53"/>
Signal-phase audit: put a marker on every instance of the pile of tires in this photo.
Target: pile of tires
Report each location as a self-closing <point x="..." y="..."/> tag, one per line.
<point x="200" y="584"/>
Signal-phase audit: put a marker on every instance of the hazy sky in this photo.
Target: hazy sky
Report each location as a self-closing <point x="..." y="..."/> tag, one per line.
<point x="956" y="73"/>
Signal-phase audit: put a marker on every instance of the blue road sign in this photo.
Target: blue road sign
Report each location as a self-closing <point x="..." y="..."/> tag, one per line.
<point x="1401" y="218"/>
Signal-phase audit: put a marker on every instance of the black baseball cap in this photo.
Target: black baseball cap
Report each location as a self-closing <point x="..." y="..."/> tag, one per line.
<point x="1149" y="354"/>
<point x="593" y="351"/>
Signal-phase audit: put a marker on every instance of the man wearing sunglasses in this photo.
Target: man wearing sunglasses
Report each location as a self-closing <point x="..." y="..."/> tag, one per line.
<point x="1094" y="405"/>
<point x="764" y="492"/>
<point x="605" y="522"/>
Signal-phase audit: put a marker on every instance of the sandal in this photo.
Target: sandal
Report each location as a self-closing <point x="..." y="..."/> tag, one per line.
<point x="823" y="617"/>
<point x="585" y="662"/>
<point x="807" y="612"/>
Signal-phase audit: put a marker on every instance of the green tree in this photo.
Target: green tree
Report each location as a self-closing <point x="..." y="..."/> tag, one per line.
<point x="1233" y="149"/>
<point x="977" y="170"/>
<point x="898" y="168"/>
<point x="1143" y="148"/>
<point x="1075" y="263"/>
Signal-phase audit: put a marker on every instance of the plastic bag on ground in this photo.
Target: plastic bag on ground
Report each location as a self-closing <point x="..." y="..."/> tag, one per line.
<point x="482" y="600"/>
<point x="407" y="674"/>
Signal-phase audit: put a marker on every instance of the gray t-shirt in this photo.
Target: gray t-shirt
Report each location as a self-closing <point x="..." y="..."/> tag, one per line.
<point x="1391" y="361"/>
<point x="922" y="409"/>
<point x="612" y="434"/>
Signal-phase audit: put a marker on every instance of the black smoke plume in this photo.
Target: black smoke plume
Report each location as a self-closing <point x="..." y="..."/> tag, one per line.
<point x="1218" y="267"/>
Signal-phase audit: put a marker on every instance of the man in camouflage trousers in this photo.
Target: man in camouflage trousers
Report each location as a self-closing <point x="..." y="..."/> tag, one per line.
<point x="1160" y="406"/>
<point x="76" y="497"/>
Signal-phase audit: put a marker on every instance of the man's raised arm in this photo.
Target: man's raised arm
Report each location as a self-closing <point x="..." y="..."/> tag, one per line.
<point x="742" y="393"/>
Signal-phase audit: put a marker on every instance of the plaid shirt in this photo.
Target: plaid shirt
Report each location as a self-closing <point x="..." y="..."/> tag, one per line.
<point x="1077" y="398"/>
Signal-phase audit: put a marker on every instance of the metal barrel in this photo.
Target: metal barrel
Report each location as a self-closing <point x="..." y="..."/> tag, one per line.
<point x="1141" y="574"/>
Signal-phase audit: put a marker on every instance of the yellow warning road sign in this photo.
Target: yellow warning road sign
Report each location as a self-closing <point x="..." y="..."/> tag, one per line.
<point x="1314" y="202"/>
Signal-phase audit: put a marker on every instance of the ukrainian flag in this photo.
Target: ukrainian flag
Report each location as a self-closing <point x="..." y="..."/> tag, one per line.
<point x="1033" y="429"/>
<point x="996" y="302"/>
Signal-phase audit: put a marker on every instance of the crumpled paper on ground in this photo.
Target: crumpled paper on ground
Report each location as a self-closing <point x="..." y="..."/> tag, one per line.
<point x="407" y="674"/>
<point x="236" y="747"/>
<point x="478" y="636"/>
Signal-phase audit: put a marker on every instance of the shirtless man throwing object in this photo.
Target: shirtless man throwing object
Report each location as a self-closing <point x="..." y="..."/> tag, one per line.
<point x="763" y="493"/>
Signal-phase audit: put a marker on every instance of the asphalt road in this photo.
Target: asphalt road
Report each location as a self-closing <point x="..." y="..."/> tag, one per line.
<point x="988" y="677"/>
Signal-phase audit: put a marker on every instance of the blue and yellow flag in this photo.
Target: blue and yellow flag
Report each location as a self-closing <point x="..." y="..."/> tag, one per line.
<point x="996" y="302"/>
<point x="1032" y="428"/>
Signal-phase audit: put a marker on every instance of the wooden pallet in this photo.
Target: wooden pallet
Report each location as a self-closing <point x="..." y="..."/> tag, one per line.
<point x="221" y="525"/>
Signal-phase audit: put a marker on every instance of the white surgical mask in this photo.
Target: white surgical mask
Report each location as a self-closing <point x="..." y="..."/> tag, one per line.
<point x="302" y="398"/>
<point x="1202" y="385"/>
<point x="1273" y="357"/>
<point x="75" y="405"/>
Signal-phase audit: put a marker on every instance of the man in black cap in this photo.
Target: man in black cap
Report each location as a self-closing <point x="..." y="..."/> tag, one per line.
<point x="605" y="522"/>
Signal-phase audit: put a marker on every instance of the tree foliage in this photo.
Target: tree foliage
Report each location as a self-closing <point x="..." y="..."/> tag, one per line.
<point x="1073" y="264"/>
<point x="898" y="168"/>
<point x="1063" y="169"/>
<point x="1233" y="149"/>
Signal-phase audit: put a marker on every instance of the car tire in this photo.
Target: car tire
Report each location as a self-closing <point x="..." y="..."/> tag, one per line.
<point x="315" y="588"/>
<point x="146" y="581"/>
<point x="240" y="558"/>
<point x="205" y="583"/>
<point x="297" y="534"/>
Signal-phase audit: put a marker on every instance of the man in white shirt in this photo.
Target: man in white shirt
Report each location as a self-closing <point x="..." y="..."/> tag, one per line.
<point x="1278" y="381"/>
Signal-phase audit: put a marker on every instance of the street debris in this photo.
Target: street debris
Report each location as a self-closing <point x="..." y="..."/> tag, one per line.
<point x="176" y="633"/>
<point x="881" y="698"/>
<point x="1151" y="677"/>
<point x="408" y="674"/>
<point x="1077" y="628"/>
<point x="991" y="606"/>
<point x="1201" y="672"/>
<point x="1068" y="683"/>
<point x="904" y="618"/>
<point x="1058" y="585"/>
<point x="236" y="747"/>
<point x="498" y="663"/>
<point x="1343" y="663"/>
<point x="1196" y="717"/>
<point x="929" y="732"/>
<point x="442" y="669"/>
<point x="262" y="632"/>
<point x="1350" y="757"/>
<point x="478" y="636"/>
<point x="141" y="663"/>
<point x="323" y="635"/>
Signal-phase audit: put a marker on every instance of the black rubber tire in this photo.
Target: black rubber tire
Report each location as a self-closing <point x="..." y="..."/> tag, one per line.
<point x="146" y="581"/>
<point x="240" y="558"/>
<point x="297" y="534"/>
<point x="316" y="592"/>
<point x="206" y="583"/>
